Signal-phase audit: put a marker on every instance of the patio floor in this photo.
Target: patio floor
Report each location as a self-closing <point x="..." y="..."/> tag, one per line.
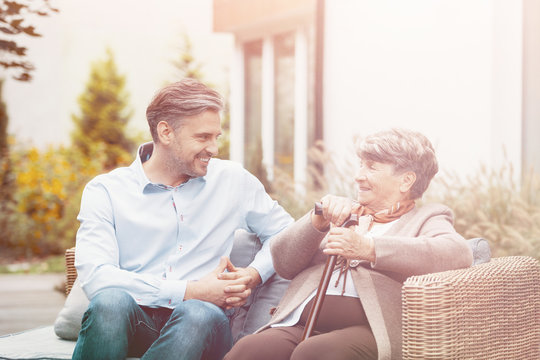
<point x="29" y="301"/>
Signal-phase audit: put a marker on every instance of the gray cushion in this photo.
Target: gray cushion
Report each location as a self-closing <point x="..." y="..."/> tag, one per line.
<point x="256" y="312"/>
<point x="480" y="249"/>
<point x="39" y="343"/>
<point x="36" y="344"/>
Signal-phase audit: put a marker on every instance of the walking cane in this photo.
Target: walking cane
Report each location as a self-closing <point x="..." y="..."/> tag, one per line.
<point x="325" y="279"/>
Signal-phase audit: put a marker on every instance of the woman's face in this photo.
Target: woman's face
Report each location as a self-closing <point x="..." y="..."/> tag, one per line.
<point x="378" y="187"/>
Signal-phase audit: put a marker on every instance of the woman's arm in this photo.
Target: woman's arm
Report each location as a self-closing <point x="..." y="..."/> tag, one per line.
<point x="435" y="247"/>
<point x="294" y="248"/>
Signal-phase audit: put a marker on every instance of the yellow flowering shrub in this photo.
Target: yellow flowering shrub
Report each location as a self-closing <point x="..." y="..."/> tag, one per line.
<point x="48" y="186"/>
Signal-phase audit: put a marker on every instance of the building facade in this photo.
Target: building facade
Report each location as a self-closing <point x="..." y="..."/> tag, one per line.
<point x="465" y="73"/>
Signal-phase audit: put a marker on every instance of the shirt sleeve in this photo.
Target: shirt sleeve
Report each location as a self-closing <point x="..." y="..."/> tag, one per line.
<point x="266" y="218"/>
<point x="97" y="256"/>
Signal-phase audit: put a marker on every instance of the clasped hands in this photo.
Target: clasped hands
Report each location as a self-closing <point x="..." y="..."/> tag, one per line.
<point x="227" y="286"/>
<point x="352" y="244"/>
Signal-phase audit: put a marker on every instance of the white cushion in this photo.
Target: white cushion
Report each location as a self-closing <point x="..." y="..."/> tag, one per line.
<point x="68" y="322"/>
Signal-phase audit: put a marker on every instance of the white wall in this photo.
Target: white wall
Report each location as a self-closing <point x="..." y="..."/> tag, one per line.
<point x="450" y="69"/>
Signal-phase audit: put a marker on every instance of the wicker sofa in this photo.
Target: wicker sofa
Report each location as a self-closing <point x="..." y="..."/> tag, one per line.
<point x="488" y="311"/>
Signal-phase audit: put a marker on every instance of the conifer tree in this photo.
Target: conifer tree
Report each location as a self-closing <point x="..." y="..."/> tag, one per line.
<point x="4" y="120"/>
<point x="187" y="66"/>
<point x="6" y="186"/>
<point x="101" y="127"/>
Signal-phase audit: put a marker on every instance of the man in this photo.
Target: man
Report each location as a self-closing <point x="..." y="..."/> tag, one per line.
<point x="154" y="238"/>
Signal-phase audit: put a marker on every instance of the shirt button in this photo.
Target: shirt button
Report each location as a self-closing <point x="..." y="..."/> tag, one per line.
<point x="354" y="263"/>
<point x="180" y="248"/>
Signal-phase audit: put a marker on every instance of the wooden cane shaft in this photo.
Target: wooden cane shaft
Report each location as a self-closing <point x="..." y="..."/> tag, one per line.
<point x="325" y="280"/>
<point x="319" y="296"/>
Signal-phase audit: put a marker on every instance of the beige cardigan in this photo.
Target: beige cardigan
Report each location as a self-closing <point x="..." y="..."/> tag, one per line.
<point x="420" y="242"/>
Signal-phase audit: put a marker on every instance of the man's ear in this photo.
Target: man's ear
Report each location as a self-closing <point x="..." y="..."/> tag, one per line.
<point x="165" y="132"/>
<point x="408" y="179"/>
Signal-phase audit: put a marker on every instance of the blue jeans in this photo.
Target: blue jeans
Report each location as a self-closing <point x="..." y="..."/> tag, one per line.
<point x="115" y="327"/>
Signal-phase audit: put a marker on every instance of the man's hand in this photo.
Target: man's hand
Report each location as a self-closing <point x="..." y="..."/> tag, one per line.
<point x="226" y="292"/>
<point x="336" y="210"/>
<point x="237" y="273"/>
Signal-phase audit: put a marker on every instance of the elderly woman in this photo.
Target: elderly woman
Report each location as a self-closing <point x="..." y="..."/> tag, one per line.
<point x="361" y="313"/>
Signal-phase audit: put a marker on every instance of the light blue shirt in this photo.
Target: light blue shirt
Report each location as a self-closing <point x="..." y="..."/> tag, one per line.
<point x="151" y="239"/>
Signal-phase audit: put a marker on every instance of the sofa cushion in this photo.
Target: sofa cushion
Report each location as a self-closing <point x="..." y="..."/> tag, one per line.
<point x="36" y="344"/>
<point x="68" y="322"/>
<point x="39" y="343"/>
<point x="480" y="250"/>
<point x="256" y="311"/>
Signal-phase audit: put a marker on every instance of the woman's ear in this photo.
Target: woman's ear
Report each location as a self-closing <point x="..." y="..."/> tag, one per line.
<point x="164" y="132"/>
<point x="408" y="179"/>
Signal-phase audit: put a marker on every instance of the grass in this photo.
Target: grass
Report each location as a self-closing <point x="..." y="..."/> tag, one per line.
<point x="50" y="264"/>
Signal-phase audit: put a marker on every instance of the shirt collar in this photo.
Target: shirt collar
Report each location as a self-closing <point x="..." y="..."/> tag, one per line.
<point x="143" y="154"/>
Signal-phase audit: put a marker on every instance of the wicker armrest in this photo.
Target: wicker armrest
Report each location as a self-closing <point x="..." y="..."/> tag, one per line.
<point x="71" y="272"/>
<point x="489" y="311"/>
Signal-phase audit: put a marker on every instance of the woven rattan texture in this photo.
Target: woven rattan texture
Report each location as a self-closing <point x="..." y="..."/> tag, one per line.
<point x="71" y="272"/>
<point x="489" y="311"/>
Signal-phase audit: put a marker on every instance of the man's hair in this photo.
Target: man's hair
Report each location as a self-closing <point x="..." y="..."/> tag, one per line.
<point x="178" y="100"/>
<point x="406" y="150"/>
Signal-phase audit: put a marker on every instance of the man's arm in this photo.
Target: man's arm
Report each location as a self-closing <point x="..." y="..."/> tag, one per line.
<point x="97" y="256"/>
<point x="266" y="218"/>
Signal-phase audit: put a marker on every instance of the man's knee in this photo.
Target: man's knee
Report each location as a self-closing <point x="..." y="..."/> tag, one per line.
<point x="200" y="329"/>
<point x="111" y="305"/>
<point x="200" y="312"/>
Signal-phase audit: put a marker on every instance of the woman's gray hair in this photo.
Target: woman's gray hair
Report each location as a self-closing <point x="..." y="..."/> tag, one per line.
<point x="178" y="100"/>
<point x="406" y="150"/>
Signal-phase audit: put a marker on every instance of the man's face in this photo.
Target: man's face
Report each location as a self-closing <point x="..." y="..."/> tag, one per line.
<point x="194" y="144"/>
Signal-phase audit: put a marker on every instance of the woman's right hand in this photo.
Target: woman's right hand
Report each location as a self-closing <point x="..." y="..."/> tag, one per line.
<point x="335" y="210"/>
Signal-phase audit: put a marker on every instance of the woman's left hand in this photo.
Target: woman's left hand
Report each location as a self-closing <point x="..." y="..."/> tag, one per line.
<point x="349" y="244"/>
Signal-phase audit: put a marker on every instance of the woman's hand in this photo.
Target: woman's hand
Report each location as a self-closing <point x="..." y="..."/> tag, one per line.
<point x="335" y="210"/>
<point x="349" y="244"/>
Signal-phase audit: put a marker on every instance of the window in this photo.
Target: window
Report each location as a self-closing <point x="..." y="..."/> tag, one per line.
<point x="284" y="92"/>
<point x="252" y="106"/>
<point x="278" y="103"/>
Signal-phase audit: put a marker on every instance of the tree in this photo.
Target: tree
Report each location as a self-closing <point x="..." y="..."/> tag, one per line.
<point x="100" y="129"/>
<point x="186" y="65"/>
<point x="4" y="120"/>
<point x="13" y="16"/>
<point x="6" y="183"/>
